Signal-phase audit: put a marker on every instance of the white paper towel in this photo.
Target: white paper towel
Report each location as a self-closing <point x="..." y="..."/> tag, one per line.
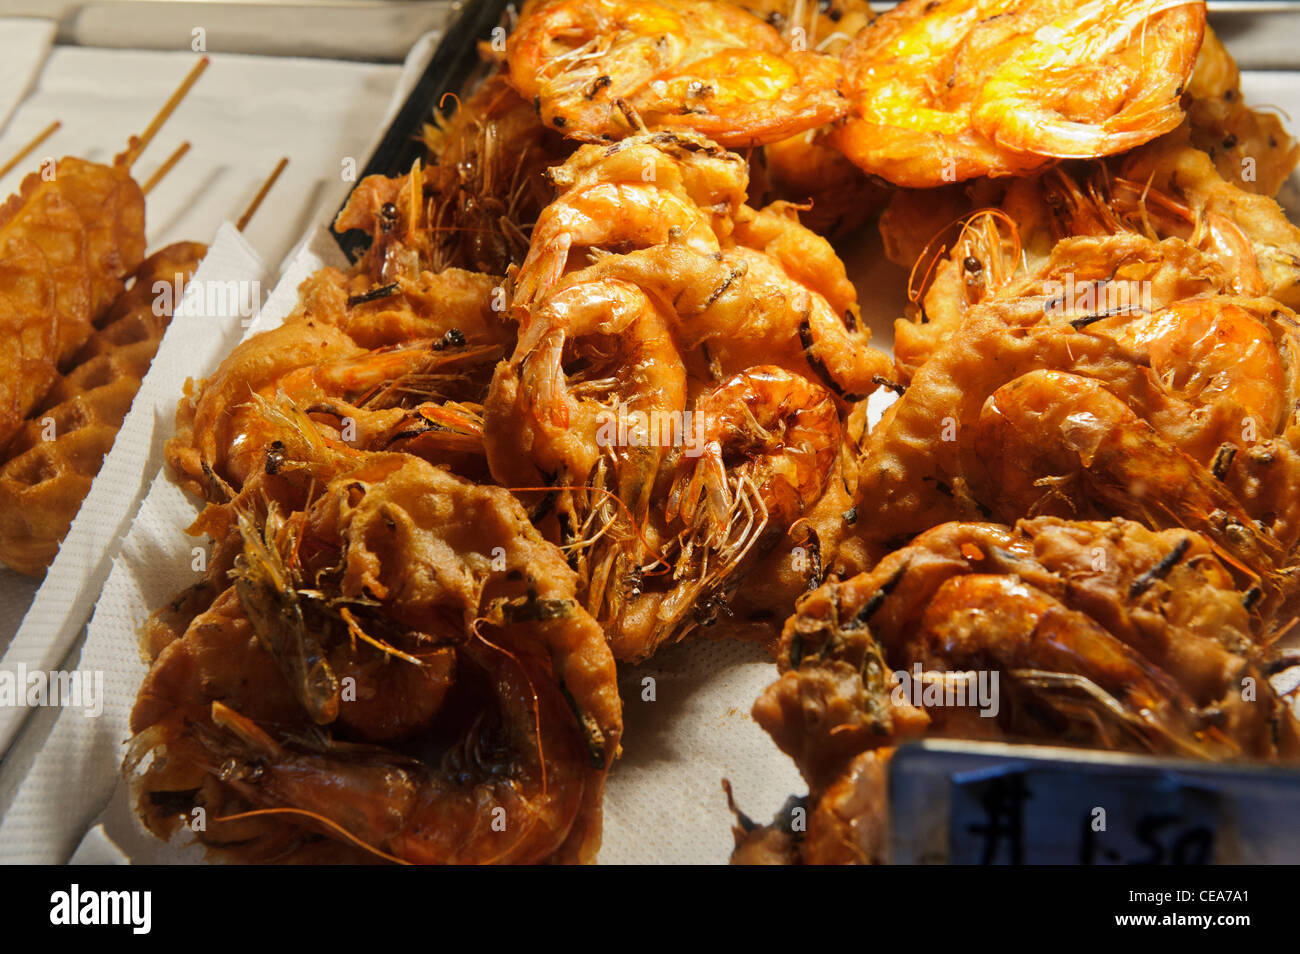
<point x="63" y="766"/>
<point x="24" y="44"/>
<point x="194" y="343"/>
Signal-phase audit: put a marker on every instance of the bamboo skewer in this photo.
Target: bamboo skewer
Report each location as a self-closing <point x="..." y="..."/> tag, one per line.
<point x="138" y="144"/>
<point x="165" y="168"/>
<point x="30" y="147"/>
<point x="261" y="194"/>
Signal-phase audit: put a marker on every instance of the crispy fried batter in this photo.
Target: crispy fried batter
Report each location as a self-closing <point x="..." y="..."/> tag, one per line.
<point x="594" y="69"/>
<point x="1251" y="149"/>
<point x="1112" y="407"/>
<point x="69" y="239"/>
<point x="946" y="90"/>
<point x="415" y="583"/>
<point x="1102" y="634"/>
<point x="1165" y="189"/>
<point x="49" y="465"/>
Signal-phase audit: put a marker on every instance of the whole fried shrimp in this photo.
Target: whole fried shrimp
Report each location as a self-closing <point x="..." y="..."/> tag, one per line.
<point x="985" y="237"/>
<point x="1101" y="633"/>
<point x="400" y="578"/>
<point x="599" y="70"/>
<point x="1103" y="407"/>
<point x="406" y="370"/>
<point x="648" y="305"/>
<point x="947" y="91"/>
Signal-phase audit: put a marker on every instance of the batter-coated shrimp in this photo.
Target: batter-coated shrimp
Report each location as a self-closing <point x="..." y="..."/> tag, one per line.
<point x="1251" y="149"/>
<point x="488" y="182"/>
<point x="758" y="454"/>
<point x="1102" y="425"/>
<point x="1102" y="633"/>
<point x="398" y="560"/>
<point x="779" y="433"/>
<point x="983" y="259"/>
<point x="666" y="213"/>
<point x="509" y="791"/>
<point x="365" y="396"/>
<point x="626" y="322"/>
<point x="1222" y="360"/>
<point x="635" y="194"/>
<point x="1057" y="443"/>
<point x="710" y="67"/>
<point x="603" y="351"/>
<point x="952" y="90"/>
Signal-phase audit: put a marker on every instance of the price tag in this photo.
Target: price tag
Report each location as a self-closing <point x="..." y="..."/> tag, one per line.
<point x="1055" y="816"/>
<point x="986" y="803"/>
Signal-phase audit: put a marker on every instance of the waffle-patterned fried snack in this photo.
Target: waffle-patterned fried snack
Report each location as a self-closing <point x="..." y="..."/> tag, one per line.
<point x="69" y="239"/>
<point x="48" y="467"/>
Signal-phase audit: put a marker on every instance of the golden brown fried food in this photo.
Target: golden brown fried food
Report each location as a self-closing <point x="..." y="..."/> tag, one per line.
<point x="600" y="70"/>
<point x="50" y="463"/>
<point x="69" y="239"/>
<point x="988" y="234"/>
<point x="946" y="91"/>
<point x="405" y="370"/>
<point x="724" y="339"/>
<point x="1117" y="382"/>
<point x="826" y="26"/>
<point x="807" y="169"/>
<point x="489" y="178"/>
<point x="1101" y="633"/>
<point x="1251" y="149"/>
<point x="457" y="626"/>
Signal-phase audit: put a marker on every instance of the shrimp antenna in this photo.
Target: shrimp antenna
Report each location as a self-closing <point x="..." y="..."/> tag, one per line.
<point x="27" y="150"/>
<point x="165" y="168"/>
<point x="659" y="558"/>
<point x="537" y="709"/>
<point x="320" y="820"/>
<point x="261" y="194"/>
<point x="356" y="632"/>
<point x="137" y="145"/>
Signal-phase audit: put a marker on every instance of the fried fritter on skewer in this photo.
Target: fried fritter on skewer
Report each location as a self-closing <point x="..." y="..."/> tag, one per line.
<point x="69" y="239"/>
<point x="49" y="464"/>
<point x="47" y="470"/>
<point x="68" y="243"/>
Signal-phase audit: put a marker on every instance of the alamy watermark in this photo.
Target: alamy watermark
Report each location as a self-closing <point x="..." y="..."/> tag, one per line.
<point x="209" y="298"/>
<point x="930" y="689"/>
<point x="625" y="427"/>
<point x="20" y="688"/>
<point x="1097" y="299"/>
